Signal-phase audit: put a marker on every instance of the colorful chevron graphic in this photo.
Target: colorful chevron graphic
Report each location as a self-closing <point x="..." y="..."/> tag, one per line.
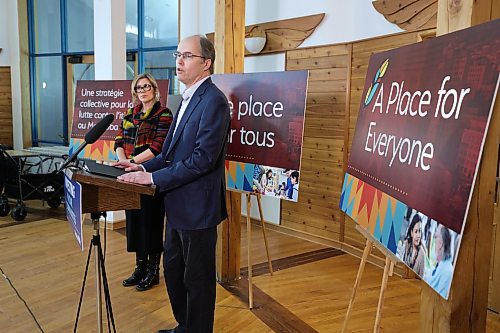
<point x="239" y="176"/>
<point x="100" y="150"/>
<point x="380" y="214"/>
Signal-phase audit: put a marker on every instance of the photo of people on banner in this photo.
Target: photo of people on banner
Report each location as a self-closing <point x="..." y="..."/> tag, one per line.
<point x="280" y="183"/>
<point x="429" y="249"/>
<point x="267" y="126"/>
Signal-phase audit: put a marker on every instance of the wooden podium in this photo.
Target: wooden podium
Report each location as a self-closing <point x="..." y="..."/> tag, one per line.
<point x="101" y="194"/>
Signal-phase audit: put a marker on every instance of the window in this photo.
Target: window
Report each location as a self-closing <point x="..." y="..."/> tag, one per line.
<point x="160" y="26"/>
<point x="59" y="29"/>
<point x="161" y="64"/>
<point x="48" y="100"/>
<point x="47" y="28"/>
<point x="80" y="25"/>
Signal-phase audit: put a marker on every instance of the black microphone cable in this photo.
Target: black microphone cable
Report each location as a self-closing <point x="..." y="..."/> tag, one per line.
<point x="22" y="299"/>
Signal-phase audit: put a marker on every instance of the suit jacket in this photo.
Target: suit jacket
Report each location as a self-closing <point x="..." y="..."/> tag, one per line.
<point x="190" y="170"/>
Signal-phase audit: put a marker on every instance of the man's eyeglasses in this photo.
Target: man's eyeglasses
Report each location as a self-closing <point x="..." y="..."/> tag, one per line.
<point x="146" y="87"/>
<point x="186" y="55"/>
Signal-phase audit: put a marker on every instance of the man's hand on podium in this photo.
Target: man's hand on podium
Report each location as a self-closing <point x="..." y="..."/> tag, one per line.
<point x="127" y="165"/>
<point x="138" y="177"/>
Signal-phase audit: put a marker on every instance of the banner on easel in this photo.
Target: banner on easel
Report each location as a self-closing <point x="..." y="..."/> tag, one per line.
<point x="267" y="125"/>
<point x="419" y="137"/>
<point x="93" y="101"/>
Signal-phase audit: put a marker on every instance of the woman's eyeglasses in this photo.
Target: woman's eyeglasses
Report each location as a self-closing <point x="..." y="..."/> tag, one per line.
<point x="146" y="87"/>
<point x="186" y="55"/>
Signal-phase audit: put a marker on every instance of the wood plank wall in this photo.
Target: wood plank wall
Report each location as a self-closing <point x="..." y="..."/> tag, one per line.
<point x="336" y="82"/>
<point x="320" y="179"/>
<point x="6" y="137"/>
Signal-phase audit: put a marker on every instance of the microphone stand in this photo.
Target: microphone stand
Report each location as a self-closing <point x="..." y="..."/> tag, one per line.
<point x="95" y="243"/>
<point x="72" y="158"/>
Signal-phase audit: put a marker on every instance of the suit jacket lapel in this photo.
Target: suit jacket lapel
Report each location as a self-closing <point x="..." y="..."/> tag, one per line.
<point x="193" y="103"/>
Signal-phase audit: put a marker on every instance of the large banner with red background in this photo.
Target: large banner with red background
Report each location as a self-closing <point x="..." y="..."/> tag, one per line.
<point x="267" y="124"/>
<point x="415" y="153"/>
<point x="93" y="101"/>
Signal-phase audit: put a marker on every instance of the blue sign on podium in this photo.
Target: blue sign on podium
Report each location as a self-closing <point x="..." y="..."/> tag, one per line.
<point x="73" y="199"/>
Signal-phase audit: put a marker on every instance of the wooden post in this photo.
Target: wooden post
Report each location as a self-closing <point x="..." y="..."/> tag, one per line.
<point x="230" y="52"/>
<point x="228" y="241"/>
<point x="465" y="310"/>
<point x="24" y="66"/>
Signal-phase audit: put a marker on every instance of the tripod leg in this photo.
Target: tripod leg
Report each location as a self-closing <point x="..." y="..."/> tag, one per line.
<point x="107" y="295"/>
<point x="97" y="243"/>
<point x="83" y="288"/>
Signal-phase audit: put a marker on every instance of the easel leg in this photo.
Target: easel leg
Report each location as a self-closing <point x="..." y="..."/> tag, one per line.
<point x="249" y="253"/>
<point x="269" y="263"/>
<point x="366" y="252"/>
<point x="383" y="287"/>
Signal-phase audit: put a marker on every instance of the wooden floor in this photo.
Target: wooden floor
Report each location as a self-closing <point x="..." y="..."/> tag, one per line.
<point x="309" y="291"/>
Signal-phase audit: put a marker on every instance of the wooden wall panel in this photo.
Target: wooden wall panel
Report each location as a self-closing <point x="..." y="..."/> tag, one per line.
<point x="336" y="82"/>
<point x="6" y="137"/>
<point x="321" y="175"/>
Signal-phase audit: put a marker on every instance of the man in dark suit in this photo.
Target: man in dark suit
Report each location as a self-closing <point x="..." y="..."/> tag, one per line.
<point x="190" y="173"/>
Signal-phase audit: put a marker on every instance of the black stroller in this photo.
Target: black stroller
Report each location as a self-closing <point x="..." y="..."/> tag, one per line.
<point x="17" y="182"/>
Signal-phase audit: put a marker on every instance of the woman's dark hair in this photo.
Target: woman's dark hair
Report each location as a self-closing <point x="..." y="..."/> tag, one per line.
<point x="408" y="256"/>
<point x="409" y="210"/>
<point x="295" y="175"/>
<point x="416" y="219"/>
<point x="428" y="225"/>
<point x="446" y="236"/>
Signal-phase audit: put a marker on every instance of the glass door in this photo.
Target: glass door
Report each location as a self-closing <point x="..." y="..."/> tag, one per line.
<point x="78" y="67"/>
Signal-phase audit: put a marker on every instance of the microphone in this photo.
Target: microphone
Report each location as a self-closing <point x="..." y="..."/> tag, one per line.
<point x="90" y="137"/>
<point x="99" y="129"/>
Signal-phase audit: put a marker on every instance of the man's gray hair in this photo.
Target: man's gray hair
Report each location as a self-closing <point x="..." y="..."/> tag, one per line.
<point x="207" y="51"/>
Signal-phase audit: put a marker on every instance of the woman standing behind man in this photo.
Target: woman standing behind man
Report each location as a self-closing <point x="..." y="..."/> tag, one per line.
<point x="140" y="138"/>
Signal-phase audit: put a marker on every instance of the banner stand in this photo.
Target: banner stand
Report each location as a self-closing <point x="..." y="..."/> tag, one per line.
<point x="249" y="242"/>
<point x="390" y="260"/>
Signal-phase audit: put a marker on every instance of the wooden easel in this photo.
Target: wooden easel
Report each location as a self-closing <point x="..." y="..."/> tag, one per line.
<point x="390" y="260"/>
<point x="249" y="242"/>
